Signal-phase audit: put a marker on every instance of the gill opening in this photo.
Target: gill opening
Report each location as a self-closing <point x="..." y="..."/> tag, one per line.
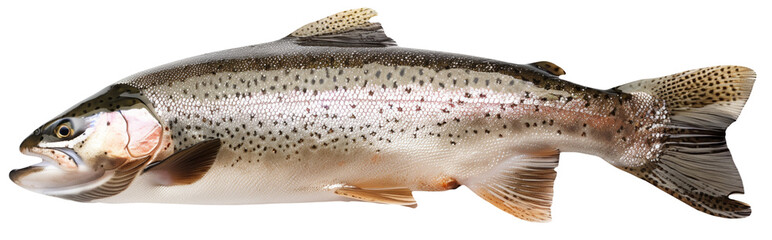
<point x="128" y="134"/>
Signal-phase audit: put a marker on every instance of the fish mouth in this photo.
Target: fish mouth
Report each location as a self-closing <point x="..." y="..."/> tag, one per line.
<point x="60" y="169"/>
<point x="64" y="158"/>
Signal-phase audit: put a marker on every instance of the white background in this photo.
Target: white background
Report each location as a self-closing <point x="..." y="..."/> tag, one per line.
<point x="54" y="54"/>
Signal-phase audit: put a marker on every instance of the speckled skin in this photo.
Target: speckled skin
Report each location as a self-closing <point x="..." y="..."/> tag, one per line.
<point x="295" y="120"/>
<point x="335" y="111"/>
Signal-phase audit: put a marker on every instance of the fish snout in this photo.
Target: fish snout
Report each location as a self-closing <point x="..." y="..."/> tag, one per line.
<point x="31" y="141"/>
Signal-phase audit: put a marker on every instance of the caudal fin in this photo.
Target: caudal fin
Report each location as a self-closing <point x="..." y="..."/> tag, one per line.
<point x="694" y="164"/>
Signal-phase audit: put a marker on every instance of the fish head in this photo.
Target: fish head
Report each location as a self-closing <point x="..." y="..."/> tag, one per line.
<point x="110" y="135"/>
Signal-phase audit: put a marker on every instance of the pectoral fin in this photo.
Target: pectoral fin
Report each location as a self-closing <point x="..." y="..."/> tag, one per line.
<point x="520" y="185"/>
<point x="398" y="196"/>
<point x="186" y="166"/>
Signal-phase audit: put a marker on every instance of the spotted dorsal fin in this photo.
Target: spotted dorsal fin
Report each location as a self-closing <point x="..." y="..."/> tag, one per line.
<point x="549" y="67"/>
<point x="350" y="28"/>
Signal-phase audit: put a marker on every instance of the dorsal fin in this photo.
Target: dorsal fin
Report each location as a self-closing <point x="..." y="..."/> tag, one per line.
<point x="549" y="67"/>
<point x="350" y="28"/>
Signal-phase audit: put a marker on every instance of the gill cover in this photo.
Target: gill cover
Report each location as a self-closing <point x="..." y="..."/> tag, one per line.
<point x="118" y="134"/>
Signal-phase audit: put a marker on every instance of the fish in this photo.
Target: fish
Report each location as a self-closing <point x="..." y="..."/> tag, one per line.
<point x="336" y="111"/>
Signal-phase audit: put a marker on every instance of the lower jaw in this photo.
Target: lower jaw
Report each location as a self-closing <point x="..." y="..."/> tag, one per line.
<point x="47" y="178"/>
<point x="17" y="174"/>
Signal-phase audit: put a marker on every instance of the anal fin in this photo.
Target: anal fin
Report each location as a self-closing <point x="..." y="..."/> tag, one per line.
<point x="186" y="166"/>
<point x="397" y="196"/>
<point x="520" y="185"/>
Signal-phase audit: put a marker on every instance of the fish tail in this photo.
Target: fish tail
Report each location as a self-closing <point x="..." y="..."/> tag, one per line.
<point x="692" y="162"/>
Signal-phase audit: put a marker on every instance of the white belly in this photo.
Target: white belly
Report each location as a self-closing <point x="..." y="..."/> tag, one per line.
<point x="426" y="168"/>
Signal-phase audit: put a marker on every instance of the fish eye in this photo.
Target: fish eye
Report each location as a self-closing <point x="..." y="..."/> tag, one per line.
<point x="63" y="130"/>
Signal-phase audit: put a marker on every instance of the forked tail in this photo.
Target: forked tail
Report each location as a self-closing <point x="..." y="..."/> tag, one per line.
<point x="694" y="164"/>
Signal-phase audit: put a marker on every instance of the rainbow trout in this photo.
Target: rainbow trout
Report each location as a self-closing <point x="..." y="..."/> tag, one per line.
<point x="336" y="111"/>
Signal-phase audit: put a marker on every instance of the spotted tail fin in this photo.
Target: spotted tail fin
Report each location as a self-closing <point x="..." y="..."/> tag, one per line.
<point x="694" y="163"/>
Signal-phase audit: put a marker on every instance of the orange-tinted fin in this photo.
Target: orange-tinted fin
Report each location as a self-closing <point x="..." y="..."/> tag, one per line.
<point x="693" y="163"/>
<point x="520" y="185"/>
<point x="549" y="67"/>
<point x="186" y="166"/>
<point x="397" y="196"/>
